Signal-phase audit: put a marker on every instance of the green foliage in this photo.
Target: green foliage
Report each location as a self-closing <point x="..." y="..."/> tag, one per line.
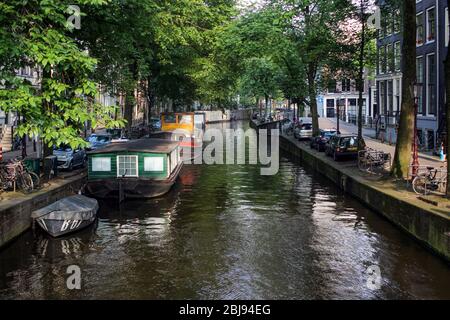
<point x="34" y="34"/>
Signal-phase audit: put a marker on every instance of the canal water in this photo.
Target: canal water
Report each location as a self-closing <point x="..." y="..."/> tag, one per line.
<point x="226" y="232"/>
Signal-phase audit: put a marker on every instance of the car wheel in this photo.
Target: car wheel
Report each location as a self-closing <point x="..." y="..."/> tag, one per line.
<point x="335" y="156"/>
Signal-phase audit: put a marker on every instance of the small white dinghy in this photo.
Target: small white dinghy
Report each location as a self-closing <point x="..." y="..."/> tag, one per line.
<point x="67" y="215"/>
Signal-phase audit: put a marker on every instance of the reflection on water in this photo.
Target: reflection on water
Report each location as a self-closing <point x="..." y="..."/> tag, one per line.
<point x="228" y="232"/>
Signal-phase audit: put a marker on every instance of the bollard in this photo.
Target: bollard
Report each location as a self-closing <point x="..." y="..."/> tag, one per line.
<point x="1" y="153"/>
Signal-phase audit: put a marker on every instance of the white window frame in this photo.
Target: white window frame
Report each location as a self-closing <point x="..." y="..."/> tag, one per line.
<point x="104" y="161"/>
<point x="147" y="169"/>
<point x="426" y="25"/>
<point x="128" y="175"/>
<point x="427" y="77"/>
<point x="423" y="80"/>
<point x="389" y="58"/>
<point x="397" y="56"/>
<point x="424" y="32"/>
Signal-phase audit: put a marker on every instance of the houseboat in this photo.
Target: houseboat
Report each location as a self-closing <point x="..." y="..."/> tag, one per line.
<point x="185" y="127"/>
<point x="143" y="168"/>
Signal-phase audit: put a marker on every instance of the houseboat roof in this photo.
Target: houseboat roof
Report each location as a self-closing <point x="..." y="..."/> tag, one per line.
<point x="141" y="145"/>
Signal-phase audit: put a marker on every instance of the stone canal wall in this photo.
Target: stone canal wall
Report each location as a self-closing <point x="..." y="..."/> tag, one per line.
<point x="428" y="224"/>
<point x="16" y="209"/>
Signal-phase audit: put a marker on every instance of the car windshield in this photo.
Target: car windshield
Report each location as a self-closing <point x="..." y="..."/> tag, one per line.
<point x="328" y="134"/>
<point x="63" y="147"/>
<point x="99" y="139"/>
<point x="307" y="126"/>
<point x="349" y="142"/>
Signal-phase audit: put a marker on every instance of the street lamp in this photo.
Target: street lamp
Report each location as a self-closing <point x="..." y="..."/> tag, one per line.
<point x="415" y="150"/>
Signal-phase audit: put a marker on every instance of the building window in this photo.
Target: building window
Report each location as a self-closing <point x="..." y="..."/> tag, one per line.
<point x="420" y="31"/>
<point x="431" y="84"/>
<point x="127" y="166"/>
<point x="153" y="164"/>
<point x="382" y="59"/>
<point x="382" y="31"/>
<point x="390" y="84"/>
<point x="332" y="86"/>
<point x="330" y="108"/>
<point x="431" y="24"/>
<point x="420" y="79"/>
<point x="101" y="164"/>
<point x="398" y="90"/>
<point x="389" y="23"/>
<point x="382" y="97"/>
<point x="346" y="85"/>
<point x="397" y="18"/>
<point x="390" y="58"/>
<point x="397" y="56"/>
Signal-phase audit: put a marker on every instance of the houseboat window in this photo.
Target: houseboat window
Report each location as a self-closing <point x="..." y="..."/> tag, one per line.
<point x="170" y="118"/>
<point x="154" y="164"/>
<point x="185" y="119"/>
<point x="127" y="166"/>
<point x="101" y="164"/>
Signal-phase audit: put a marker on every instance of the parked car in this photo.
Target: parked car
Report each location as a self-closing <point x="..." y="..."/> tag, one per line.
<point x="68" y="158"/>
<point x="319" y="142"/>
<point x="342" y="146"/>
<point x="287" y="126"/>
<point x="155" y="124"/>
<point x="98" y="141"/>
<point x="303" y="131"/>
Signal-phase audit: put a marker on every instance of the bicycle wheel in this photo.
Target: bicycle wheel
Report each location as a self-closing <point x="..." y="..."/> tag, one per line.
<point x="36" y="180"/>
<point x="25" y="182"/>
<point x="363" y="164"/>
<point x="420" y="185"/>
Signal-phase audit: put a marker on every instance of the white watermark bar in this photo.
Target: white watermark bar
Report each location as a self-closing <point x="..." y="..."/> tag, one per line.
<point x="234" y="146"/>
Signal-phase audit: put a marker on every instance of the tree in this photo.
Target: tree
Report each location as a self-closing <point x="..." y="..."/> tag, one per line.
<point x="315" y="28"/>
<point x="36" y="34"/>
<point x="261" y="79"/>
<point x="402" y="158"/>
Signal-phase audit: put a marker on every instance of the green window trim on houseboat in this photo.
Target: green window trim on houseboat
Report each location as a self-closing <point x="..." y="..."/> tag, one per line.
<point x="141" y="172"/>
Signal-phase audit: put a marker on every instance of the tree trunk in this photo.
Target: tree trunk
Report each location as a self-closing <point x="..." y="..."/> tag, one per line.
<point x="312" y="99"/>
<point x="402" y="158"/>
<point x="129" y="106"/>
<point x="361" y="76"/>
<point x="266" y="100"/>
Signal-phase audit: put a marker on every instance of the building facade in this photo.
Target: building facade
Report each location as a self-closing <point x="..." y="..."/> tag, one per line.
<point x="341" y="97"/>
<point x="431" y="50"/>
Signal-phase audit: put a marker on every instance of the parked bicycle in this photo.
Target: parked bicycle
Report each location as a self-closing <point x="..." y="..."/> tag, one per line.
<point x="373" y="161"/>
<point x="434" y="180"/>
<point x="15" y="175"/>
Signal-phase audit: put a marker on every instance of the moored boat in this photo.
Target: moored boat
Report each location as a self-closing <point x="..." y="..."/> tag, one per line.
<point x="185" y="127"/>
<point x="67" y="215"/>
<point x="143" y="168"/>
